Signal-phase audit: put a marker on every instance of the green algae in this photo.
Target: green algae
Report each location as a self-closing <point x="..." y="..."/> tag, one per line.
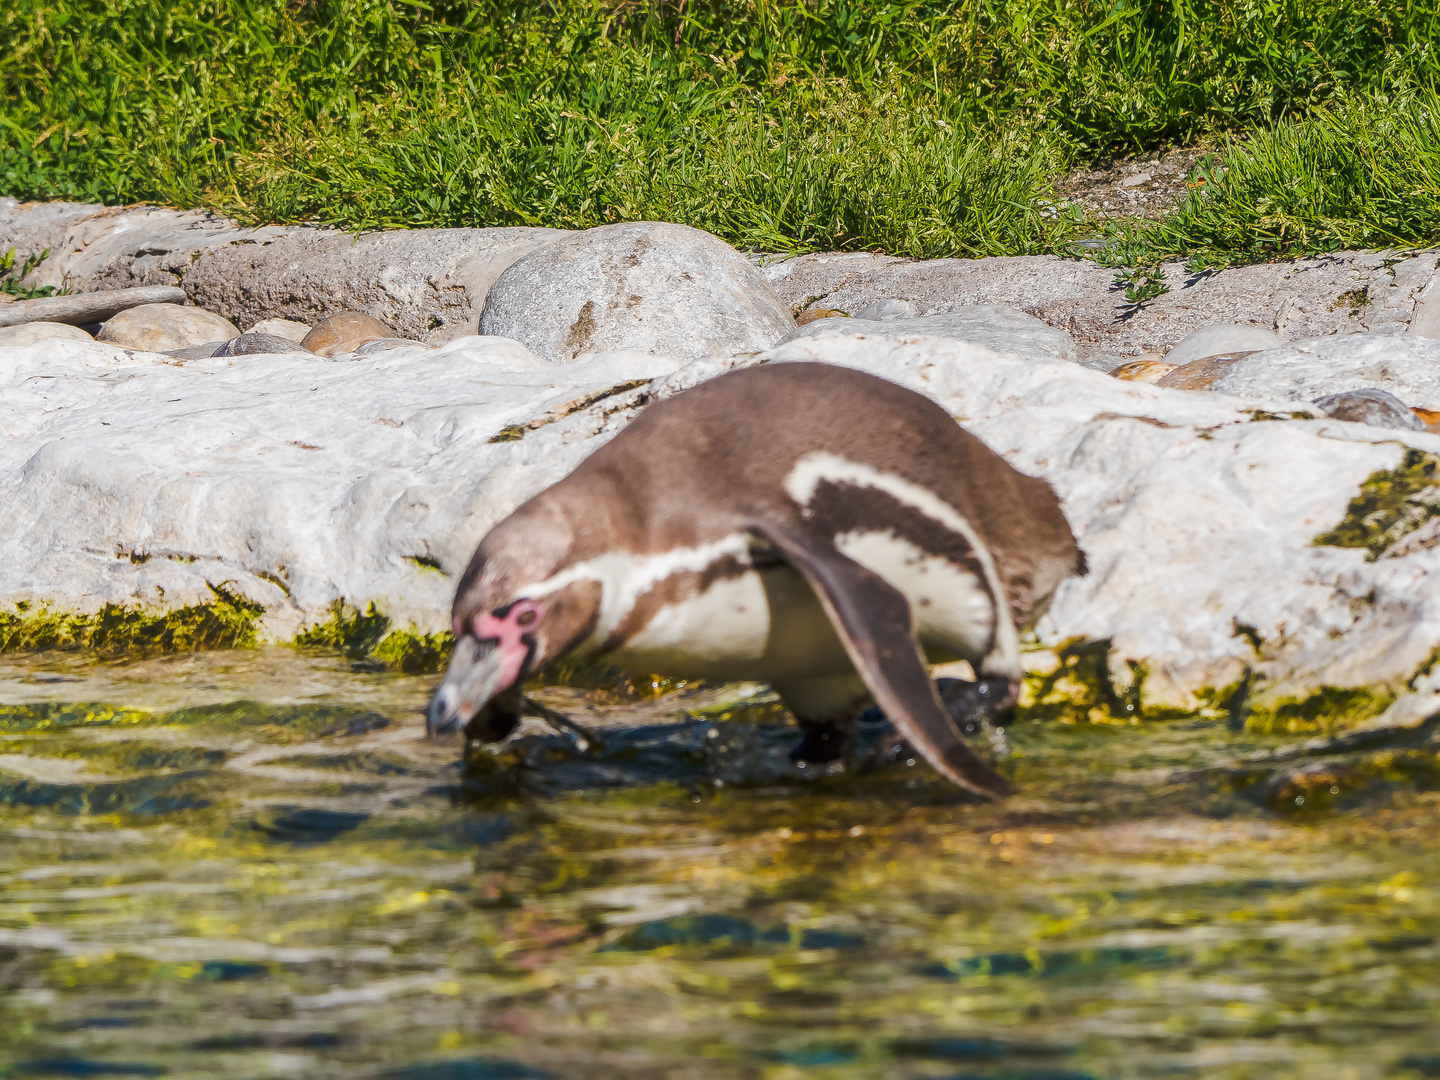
<point x="367" y="635"/>
<point x="1328" y="709"/>
<point x="1084" y="686"/>
<point x="229" y="621"/>
<point x="1392" y="503"/>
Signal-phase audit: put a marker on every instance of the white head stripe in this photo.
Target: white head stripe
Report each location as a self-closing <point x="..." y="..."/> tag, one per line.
<point x="820" y="467"/>
<point x="625" y="576"/>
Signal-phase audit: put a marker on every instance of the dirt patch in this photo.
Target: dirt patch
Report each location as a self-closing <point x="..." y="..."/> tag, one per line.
<point x="1149" y="186"/>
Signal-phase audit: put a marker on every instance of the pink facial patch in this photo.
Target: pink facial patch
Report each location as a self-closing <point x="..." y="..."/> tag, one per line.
<point x="508" y="632"/>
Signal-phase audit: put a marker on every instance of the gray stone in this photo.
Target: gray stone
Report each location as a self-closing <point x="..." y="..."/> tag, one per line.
<point x="30" y="333"/>
<point x="83" y="309"/>
<point x="1220" y="338"/>
<point x="994" y="326"/>
<point x="884" y="310"/>
<point x="196" y="352"/>
<point x="1404" y="365"/>
<point x="1370" y="406"/>
<point x="667" y="290"/>
<point x="254" y="344"/>
<point x="162" y="327"/>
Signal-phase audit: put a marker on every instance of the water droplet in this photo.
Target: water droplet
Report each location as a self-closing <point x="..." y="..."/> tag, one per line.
<point x="909" y="761"/>
<point x="1299" y="800"/>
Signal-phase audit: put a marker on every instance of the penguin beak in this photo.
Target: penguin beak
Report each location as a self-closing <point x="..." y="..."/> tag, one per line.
<point x="476" y="674"/>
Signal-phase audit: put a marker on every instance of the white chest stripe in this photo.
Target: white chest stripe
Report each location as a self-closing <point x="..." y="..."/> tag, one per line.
<point x="625" y="576"/>
<point x="814" y="469"/>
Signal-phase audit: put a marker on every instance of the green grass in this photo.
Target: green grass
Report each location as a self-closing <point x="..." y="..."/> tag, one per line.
<point x="920" y="128"/>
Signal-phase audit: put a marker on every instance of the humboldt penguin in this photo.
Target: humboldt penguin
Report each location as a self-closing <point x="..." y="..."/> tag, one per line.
<point x="809" y="526"/>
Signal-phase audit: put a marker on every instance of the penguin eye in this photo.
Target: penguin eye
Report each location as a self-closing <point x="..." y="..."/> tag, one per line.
<point x="525" y="618"/>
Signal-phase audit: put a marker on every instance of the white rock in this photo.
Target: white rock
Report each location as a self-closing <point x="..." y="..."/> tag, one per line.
<point x="162" y="327"/>
<point x="1406" y="365"/>
<point x="30" y="333"/>
<point x="330" y="477"/>
<point x="995" y="326"/>
<point x="1220" y="338"/>
<point x="343" y="480"/>
<point x="664" y="289"/>
<point x="289" y="329"/>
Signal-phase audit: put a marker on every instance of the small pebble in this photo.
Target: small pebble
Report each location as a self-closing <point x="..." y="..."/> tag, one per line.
<point x="344" y="332"/>
<point x="1144" y="371"/>
<point x="813" y="314"/>
<point x="1370" y="406"/>
<point x="1201" y="374"/>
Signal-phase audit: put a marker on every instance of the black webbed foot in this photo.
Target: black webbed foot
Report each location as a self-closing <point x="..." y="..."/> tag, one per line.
<point x="823" y="743"/>
<point x="974" y="706"/>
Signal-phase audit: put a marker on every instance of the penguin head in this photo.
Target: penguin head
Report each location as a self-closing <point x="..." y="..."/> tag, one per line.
<point x="511" y="618"/>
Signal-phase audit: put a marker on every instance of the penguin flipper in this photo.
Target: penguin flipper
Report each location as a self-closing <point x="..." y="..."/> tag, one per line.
<point x="874" y="622"/>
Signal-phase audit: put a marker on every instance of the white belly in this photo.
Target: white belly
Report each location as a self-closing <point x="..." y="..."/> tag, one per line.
<point x="767" y="624"/>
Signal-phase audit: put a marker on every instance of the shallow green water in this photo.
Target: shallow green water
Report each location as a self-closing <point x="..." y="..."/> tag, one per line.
<point x="250" y="864"/>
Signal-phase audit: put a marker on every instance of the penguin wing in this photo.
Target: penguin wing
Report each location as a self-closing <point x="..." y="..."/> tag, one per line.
<point x="873" y="620"/>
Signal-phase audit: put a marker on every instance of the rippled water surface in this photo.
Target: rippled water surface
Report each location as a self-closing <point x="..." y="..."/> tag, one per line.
<point x="252" y="865"/>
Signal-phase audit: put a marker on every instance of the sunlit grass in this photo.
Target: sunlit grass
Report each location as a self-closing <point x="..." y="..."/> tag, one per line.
<point x="920" y="128"/>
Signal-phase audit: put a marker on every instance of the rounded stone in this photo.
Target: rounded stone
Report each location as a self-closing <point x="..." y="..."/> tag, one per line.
<point x="164" y="327"/>
<point x="31" y="333"/>
<point x="289" y="329"/>
<point x="252" y="343"/>
<point x="1201" y="374"/>
<point x="1370" y="406"/>
<point x="1146" y="371"/>
<point x="668" y="290"/>
<point x="1218" y="338"/>
<point x="344" y="332"/>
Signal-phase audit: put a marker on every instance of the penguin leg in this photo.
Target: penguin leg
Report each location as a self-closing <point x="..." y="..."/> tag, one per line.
<point x="825" y="709"/>
<point x="874" y="622"/>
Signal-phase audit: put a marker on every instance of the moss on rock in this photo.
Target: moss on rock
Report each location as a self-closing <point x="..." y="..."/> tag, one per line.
<point x="366" y="635"/>
<point x="1392" y="504"/>
<point x="229" y="621"/>
<point x="1328" y="709"/>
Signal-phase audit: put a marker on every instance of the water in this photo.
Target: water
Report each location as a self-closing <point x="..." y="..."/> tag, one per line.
<point x="250" y="864"/>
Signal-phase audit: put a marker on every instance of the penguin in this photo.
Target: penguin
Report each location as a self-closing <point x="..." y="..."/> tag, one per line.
<point x="809" y="526"/>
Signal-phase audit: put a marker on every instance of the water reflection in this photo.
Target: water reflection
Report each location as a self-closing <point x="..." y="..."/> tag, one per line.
<point x="253" y="865"/>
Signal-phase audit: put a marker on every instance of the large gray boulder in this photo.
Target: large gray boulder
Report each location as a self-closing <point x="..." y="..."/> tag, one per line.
<point x="1406" y="365"/>
<point x="995" y="326"/>
<point x="668" y="290"/>
<point x="1364" y="291"/>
